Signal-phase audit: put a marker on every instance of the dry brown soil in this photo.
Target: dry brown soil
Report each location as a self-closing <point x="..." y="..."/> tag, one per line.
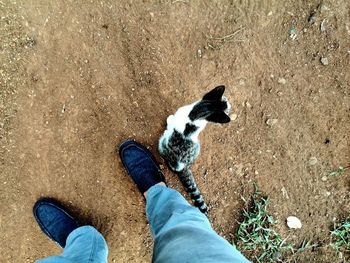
<point x="79" y="77"/>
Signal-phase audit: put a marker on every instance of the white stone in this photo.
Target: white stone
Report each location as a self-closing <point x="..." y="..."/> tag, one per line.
<point x="293" y="222"/>
<point x="271" y="122"/>
<point x="324" y="61"/>
<point x="282" y="81"/>
<point x="233" y="116"/>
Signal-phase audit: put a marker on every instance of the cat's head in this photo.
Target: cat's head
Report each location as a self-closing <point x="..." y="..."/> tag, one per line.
<point x="214" y="107"/>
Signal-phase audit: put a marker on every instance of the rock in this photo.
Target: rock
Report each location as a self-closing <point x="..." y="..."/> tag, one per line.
<point x="199" y="53"/>
<point x="324" y="178"/>
<point x="312" y="161"/>
<point x="233" y="116"/>
<point x="324" y="61"/>
<point x="282" y="81"/>
<point x="293" y="222"/>
<point x="271" y="122"/>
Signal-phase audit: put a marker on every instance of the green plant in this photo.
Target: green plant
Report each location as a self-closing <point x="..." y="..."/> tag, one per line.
<point x="341" y="236"/>
<point x="306" y="245"/>
<point x="341" y="169"/>
<point x="255" y="235"/>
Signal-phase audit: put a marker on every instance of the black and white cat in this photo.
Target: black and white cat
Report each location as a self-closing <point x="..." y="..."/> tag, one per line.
<point x="179" y="145"/>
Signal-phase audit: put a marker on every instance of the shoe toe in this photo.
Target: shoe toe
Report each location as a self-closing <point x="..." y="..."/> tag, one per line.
<point x="54" y="221"/>
<point x="140" y="165"/>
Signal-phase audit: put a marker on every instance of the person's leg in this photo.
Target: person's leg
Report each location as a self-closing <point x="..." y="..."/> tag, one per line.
<point x="85" y="244"/>
<point x="182" y="233"/>
<point x="80" y="243"/>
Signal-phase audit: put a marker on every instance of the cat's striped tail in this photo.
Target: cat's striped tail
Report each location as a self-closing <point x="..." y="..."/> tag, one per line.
<point x="187" y="180"/>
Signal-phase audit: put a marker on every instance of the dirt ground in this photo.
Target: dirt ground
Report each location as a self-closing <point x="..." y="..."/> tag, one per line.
<point x="79" y="77"/>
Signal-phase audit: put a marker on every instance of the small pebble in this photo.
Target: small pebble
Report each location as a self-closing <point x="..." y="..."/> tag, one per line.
<point x="233" y="116"/>
<point x="271" y="122"/>
<point x="312" y="161"/>
<point x="293" y="222"/>
<point x="324" y="61"/>
<point x="282" y="81"/>
<point x="324" y="178"/>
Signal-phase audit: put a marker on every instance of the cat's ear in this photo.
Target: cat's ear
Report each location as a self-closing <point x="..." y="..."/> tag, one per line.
<point x="218" y="117"/>
<point x="215" y="94"/>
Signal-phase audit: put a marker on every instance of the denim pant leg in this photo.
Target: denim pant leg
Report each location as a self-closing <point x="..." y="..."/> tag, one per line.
<point x="182" y="233"/>
<point x="84" y="245"/>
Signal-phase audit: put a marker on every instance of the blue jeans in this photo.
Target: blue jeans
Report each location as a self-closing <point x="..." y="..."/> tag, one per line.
<point x="181" y="234"/>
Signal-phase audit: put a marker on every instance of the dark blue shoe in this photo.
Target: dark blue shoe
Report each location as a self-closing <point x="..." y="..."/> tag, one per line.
<point x="140" y="164"/>
<point x="54" y="220"/>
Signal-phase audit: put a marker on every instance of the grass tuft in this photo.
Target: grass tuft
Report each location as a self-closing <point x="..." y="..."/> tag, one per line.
<point x="255" y="235"/>
<point x="341" y="236"/>
<point x="341" y="169"/>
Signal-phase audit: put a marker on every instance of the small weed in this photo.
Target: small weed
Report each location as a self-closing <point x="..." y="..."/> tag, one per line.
<point x="341" y="169"/>
<point x="341" y="236"/>
<point x="306" y="245"/>
<point x="255" y="235"/>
